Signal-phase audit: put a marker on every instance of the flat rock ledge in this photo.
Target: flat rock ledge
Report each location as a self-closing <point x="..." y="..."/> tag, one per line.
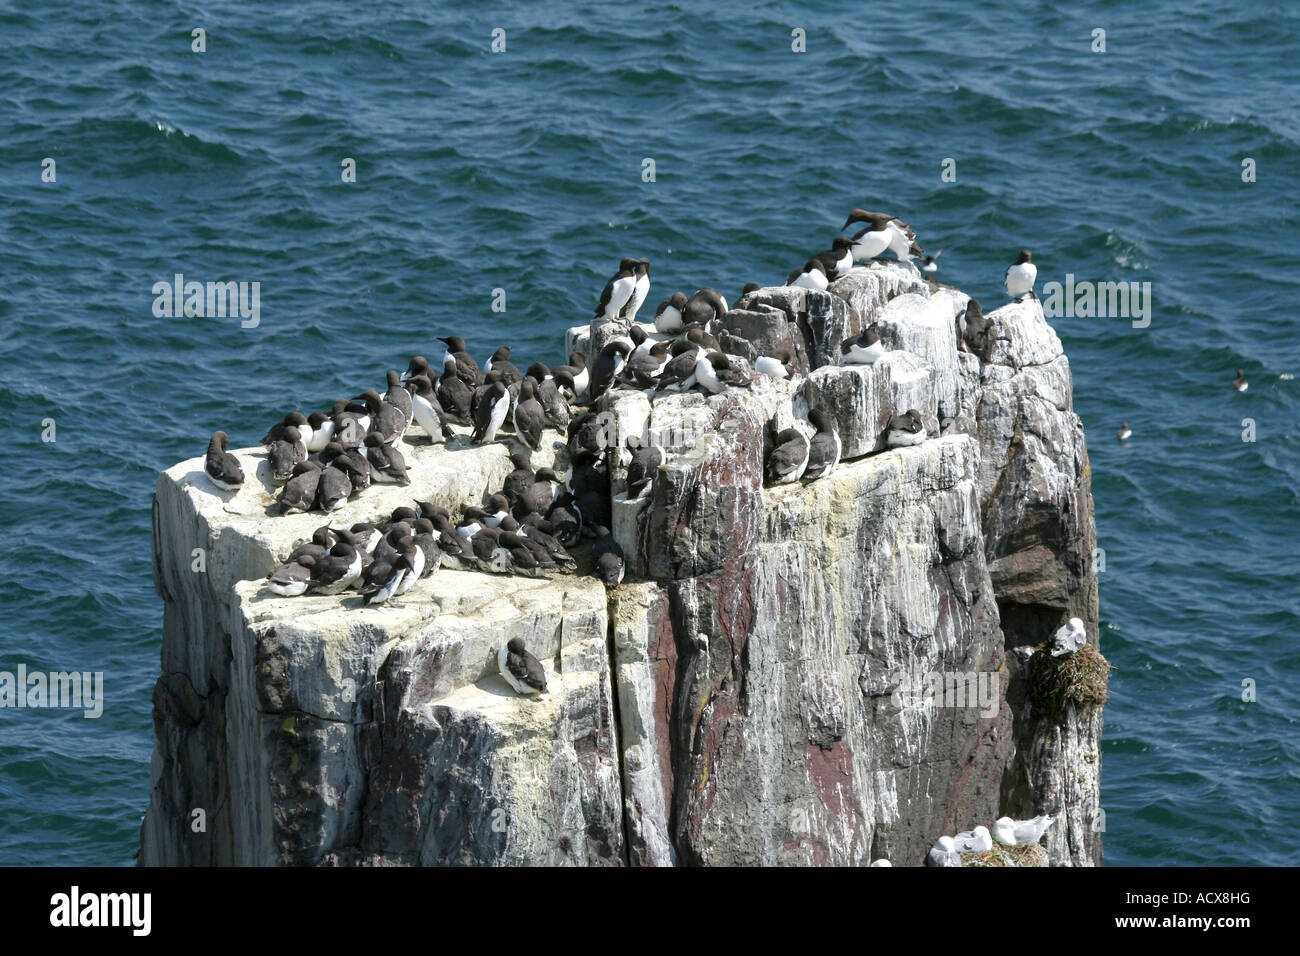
<point x="761" y="688"/>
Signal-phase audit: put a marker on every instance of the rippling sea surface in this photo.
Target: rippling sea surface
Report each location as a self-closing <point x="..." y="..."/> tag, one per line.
<point x="522" y="170"/>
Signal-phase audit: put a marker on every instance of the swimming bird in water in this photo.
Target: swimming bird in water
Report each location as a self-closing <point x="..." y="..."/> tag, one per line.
<point x="521" y="669"/>
<point x="1123" y="433"/>
<point x="221" y="467"/>
<point x="1240" y="383"/>
<point x="1020" y="276"/>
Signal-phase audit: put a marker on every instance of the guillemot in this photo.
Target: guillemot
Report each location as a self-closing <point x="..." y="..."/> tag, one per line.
<point x="521" y="669"/>
<point x="905" y="429"/>
<point x="824" y="448"/>
<point x="668" y="317"/>
<point x="618" y="290"/>
<point x="789" y="457"/>
<point x="862" y="349"/>
<point x="1020" y="276"/>
<point x="221" y="467"/>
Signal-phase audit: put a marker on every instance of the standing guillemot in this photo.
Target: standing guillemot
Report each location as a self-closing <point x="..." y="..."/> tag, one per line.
<point x="530" y="418"/>
<point x="428" y="410"/>
<point x="521" y="670"/>
<point x="668" y="317"/>
<point x="398" y="396"/>
<point x="811" y="276"/>
<point x="618" y="290"/>
<point x="608" y="556"/>
<point x="905" y="429"/>
<point x="419" y="365"/>
<point x="459" y="362"/>
<point x="500" y="362"/>
<point x="1240" y="383"/>
<point x="824" y="449"/>
<point x="221" y="467"/>
<point x="299" y="493"/>
<point x="383" y="579"/>
<point x="863" y="349"/>
<point x="387" y="466"/>
<point x="1020" y="276"/>
<point x="414" y="557"/>
<point x="490" y="413"/>
<point x="608" y="364"/>
<point x="285" y="452"/>
<point x="547" y="388"/>
<point x="455" y="397"/>
<point x="977" y="335"/>
<point x="641" y="471"/>
<point x="426" y="540"/>
<point x="776" y="365"/>
<point x="639" y="291"/>
<point x="703" y="307"/>
<point x="1123" y="433"/>
<point x="789" y="457"/>
<point x="576" y="370"/>
<point x="387" y="420"/>
<point x="838" y="259"/>
<point x="322" y="431"/>
<point x="641" y="342"/>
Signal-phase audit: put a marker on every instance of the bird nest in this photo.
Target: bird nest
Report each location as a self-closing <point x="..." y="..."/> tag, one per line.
<point x="1030" y="854"/>
<point x="1057" y="682"/>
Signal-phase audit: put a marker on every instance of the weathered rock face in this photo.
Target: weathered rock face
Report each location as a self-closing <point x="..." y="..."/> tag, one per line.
<point x="806" y="674"/>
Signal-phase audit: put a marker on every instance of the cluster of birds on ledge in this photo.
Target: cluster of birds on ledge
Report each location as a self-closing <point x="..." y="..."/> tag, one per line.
<point x="322" y="460"/>
<point x="947" y="850"/>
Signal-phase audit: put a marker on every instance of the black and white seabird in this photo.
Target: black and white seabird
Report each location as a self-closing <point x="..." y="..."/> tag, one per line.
<point x="618" y="291"/>
<point x="387" y="420"/>
<point x="1020" y="276"/>
<point x="419" y="365"/>
<point x="221" y="467"/>
<point x="530" y="417"/>
<point x="977" y="336"/>
<point x="497" y="508"/>
<point x="334" y="487"/>
<point x="1123" y="433"/>
<point x="811" y="276"/>
<point x="322" y="431"/>
<point x="521" y="670"/>
<point x="577" y="373"/>
<point x="639" y="291"/>
<point x="296" y="419"/>
<point x="668" y="317"/>
<point x="285" y="452"/>
<point x="1240" y="383"/>
<point x="455" y="398"/>
<point x="565" y="520"/>
<point x="460" y="363"/>
<point x="387" y="465"/>
<point x="398" y="396"/>
<point x="426" y="539"/>
<point x="427" y="409"/>
<point x="883" y="232"/>
<point x="489" y="556"/>
<point x="608" y="364"/>
<point x="863" y="349"/>
<point x="905" y="429"/>
<point x="608" y="557"/>
<point x="824" y="449"/>
<point x="703" y="307"/>
<point x="641" y="341"/>
<point x="641" y="471"/>
<point x="336" y="571"/>
<point x="541" y="493"/>
<point x="777" y="365"/>
<point x="292" y="578"/>
<point x="521" y="478"/>
<point x="500" y="362"/>
<point x="642" y="370"/>
<point x="789" y="457"/>
<point x="490" y="413"/>
<point x="299" y="492"/>
<point x="679" y="373"/>
<point x="383" y="578"/>
<point x="708" y="366"/>
<point x="838" y="259"/>
<point x="929" y="265"/>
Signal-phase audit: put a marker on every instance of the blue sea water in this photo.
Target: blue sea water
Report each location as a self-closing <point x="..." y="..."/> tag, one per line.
<point x="522" y="170"/>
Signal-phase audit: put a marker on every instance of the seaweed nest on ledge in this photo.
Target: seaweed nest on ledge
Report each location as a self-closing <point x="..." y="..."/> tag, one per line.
<point x="1030" y="854"/>
<point x="1057" y="682"/>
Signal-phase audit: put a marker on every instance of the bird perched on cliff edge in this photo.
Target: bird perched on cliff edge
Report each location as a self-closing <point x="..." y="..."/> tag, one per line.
<point x="1069" y="638"/>
<point x="521" y="669"/>
<point x="1020" y="276"/>
<point x="221" y="467"/>
<point x="1011" y="832"/>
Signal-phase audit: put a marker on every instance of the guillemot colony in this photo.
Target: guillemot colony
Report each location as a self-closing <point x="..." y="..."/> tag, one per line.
<point x="702" y="426"/>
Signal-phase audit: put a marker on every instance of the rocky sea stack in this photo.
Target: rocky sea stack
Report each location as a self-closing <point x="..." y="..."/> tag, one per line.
<point x="822" y="673"/>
